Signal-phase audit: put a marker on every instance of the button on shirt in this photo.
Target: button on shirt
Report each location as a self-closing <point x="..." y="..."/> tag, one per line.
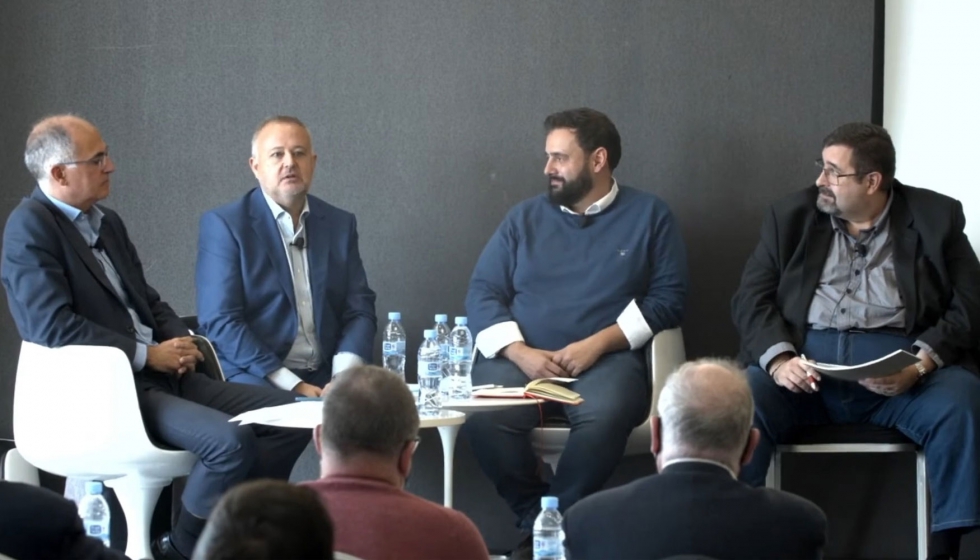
<point x="494" y="338"/>
<point x="89" y="224"/>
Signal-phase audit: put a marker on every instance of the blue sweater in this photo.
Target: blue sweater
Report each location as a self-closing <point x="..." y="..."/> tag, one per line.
<point x="562" y="282"/>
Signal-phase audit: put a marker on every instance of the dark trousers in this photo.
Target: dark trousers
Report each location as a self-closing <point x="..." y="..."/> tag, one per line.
<point x="192" y="413"/>
<point x="616" y="393"/>
<point x="318" y="377"/>
<point x="941" y="413"/>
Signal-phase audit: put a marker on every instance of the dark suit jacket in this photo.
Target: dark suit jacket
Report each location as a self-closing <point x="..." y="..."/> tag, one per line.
<point x="245" y="298"/>
<point x="937" y="272"/>
<point x="39" y="524"/>
<point x="57" y="291"/>
<point x="694" y="509"/>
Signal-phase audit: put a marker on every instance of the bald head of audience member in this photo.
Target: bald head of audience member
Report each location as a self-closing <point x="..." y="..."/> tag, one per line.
<point x="370" y="426"/>
<point x="705" y="413"/>
<point x="267" y="520"/>
<point x="69" y="160"/>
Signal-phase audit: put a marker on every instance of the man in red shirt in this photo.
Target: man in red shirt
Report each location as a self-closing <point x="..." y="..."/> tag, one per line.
<point x="366" y="441"/>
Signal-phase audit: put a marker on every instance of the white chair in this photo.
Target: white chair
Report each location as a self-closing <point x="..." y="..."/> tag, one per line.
<point x="16" y="469"/>
<point x="76" y="415"/>
<point x="666" y="354"/>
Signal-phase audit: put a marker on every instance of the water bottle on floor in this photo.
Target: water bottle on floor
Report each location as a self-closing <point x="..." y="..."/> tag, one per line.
<point x="393" y="344"/>
<point x="94" y="511"/>
<point x="430" y="374"/>
<point x="442" y="338"/>
<point x="460" y="361"/>
<point x="548" y="535"/>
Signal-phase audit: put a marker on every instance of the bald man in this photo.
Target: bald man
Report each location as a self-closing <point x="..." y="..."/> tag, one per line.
<point x="696" y="505"/>
<point x="73" y="276"/>
<point x="281" y="290"/>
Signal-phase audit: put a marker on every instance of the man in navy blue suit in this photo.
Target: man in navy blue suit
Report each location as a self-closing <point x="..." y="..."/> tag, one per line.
<point x="73" y="276"/>
<point x="281" y="290"/>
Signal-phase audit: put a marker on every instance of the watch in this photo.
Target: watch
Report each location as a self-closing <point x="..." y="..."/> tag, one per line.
<point x="921" y="369"/>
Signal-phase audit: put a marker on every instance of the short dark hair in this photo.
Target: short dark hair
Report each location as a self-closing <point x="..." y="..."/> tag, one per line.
<point x="871" y="148"/>
<point x="368" y="410"/>
<point x="266" y="520"/>
<point x="279" y="119"/>
<point x="593" y="130"/>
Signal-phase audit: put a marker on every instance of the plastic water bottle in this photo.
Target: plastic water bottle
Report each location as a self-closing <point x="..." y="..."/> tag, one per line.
<point x="430" y="374"/>
<point x="460" y="361"/>
<point x="548" y="535"/>
<point x="393" y="344"/>
<point x="442" y="339"/>
<point x="94" y="511"/>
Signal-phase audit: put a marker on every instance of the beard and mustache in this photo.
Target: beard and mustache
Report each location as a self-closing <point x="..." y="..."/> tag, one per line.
<point x="569" y="193"/>
<point x="827" y="207"/>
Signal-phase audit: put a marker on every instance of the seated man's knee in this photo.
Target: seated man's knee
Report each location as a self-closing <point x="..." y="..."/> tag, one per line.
<point x="235" y="446"/>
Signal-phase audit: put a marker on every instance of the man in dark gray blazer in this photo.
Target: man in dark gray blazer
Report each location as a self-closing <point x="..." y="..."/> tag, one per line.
<point x="848" y="271"/>
<point x="696" y="505"/>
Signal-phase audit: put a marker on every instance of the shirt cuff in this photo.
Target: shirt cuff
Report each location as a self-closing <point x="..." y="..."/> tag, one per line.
<point x="139" y="358"/>
<point x="495" y="338"/>
<point x="773" y="351"/>
<point x="932" y="353"/>
<point x="284" y="379"/>
<point x="634" y="326"/>
<point x="345" y="360"/>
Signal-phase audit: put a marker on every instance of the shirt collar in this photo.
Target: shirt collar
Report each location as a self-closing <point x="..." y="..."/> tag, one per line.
<point x="93" y="216"/>
<point x="875" y="229"/>
<point x="704" y="461"/>
<point x="599" y="205"/>
<point x="279" y="211"/>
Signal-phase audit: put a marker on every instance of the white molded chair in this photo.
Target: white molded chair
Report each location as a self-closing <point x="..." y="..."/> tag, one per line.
<point x="16" y="469"/>
<point x="666" y="355"/>
<point x="76" y="415"/>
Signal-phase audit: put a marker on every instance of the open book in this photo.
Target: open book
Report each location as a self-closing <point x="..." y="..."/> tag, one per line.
<point x="549" y="389"/>
<point x="884" y="366"/>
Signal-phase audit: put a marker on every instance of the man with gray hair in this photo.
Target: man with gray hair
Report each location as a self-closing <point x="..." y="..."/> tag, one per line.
<point x="696" y="505"/>
<point x="366" y="442"/>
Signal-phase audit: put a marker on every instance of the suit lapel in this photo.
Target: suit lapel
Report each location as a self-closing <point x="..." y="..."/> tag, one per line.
<point x="318" y="255"/>
<point x="270" y="238"/>
<point x="75" y="239"/>
<point x="904" y="241"/>
<point x="122" y="264"/>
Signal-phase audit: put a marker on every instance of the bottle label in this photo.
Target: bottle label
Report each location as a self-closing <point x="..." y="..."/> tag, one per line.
<point x="430" y="368"/>
<point x="393" y="347"/>
<point x="459" y="354"/>
<point x="547" y="547"/>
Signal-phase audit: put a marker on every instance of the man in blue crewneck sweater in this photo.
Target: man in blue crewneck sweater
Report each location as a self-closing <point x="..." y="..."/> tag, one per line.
<point x="573" y="283"/>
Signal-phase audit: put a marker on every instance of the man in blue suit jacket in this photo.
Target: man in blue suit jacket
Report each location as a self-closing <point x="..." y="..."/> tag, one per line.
<point x="281" y="290"/>
<point x="73" y="276"/>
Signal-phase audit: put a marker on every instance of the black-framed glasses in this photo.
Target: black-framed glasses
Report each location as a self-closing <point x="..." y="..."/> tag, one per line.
<point x="832" y="175"/>
<point x="100" y="160"/>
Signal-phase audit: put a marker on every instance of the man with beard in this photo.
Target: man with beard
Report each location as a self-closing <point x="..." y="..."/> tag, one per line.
<point x="573" y="283"/>
<point x="848" y="271"/>
<point x="281" y="290"/>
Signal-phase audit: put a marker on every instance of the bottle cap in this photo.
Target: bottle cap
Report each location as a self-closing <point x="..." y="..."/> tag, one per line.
<point x="394" y="316"/>
<point x="93" y="487"/>
<point x="429" y="333"/>
<point x="549" y="502"/>
<point x="442" y="318"/>
<point x="461" y="321"/>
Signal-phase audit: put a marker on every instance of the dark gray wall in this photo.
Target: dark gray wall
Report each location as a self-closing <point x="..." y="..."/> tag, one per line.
<point x="426" y="116"/>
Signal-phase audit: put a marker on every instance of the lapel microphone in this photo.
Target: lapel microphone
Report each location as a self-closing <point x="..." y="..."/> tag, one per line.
<point x="299" y="243"/>
<point x="862" y="250"/>
<point x="98" y="244"/>
<point x="584" y="221"/>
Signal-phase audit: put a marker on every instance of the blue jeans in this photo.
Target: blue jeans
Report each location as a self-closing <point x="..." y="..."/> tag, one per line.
<point x="941" y="413"/>
<point x="616" y="394"/>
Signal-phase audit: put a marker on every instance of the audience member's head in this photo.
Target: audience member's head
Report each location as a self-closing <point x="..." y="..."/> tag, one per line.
<point x="370" y="426"/>
<point x="266" y="520"/>
<point x="705" y="412"/>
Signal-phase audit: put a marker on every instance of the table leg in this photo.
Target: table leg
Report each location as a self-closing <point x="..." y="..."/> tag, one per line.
<point x="448" y="436"/>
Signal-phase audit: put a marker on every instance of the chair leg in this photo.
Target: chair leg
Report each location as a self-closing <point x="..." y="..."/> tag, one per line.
<point x="774" y="476"/>
<point x="922" y="504"/>
<point x="138" y="496"/>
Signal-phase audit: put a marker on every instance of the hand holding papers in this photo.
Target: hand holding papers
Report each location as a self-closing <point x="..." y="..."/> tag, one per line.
<point x="882" y="367"/>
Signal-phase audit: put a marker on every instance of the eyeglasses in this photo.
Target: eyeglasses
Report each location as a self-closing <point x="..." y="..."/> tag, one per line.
<point x="100" y="160"/>
<point x="833" y="177"/>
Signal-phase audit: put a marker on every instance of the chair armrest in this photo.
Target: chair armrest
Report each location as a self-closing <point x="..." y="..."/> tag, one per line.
<point x="666" y="355"/>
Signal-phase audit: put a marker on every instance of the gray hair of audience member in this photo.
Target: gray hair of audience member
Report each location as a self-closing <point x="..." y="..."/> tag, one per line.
<point x="267" y="520"/>
<point x="49" y="141"/>
<point x="277" y="119"/>
<point x="368" y="409"/>
<point x="706" y="411"/>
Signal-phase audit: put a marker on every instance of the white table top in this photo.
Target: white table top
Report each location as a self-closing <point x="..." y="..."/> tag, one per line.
<point x="308" y="414"/>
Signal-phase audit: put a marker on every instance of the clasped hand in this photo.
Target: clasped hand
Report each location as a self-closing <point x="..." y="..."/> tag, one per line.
<point x="570" y="361"/>
<point x="177" y="356"/>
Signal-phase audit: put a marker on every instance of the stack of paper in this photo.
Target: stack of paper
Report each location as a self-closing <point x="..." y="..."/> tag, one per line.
<point x="307" y="414"/>
<point x="882" y="367"/>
